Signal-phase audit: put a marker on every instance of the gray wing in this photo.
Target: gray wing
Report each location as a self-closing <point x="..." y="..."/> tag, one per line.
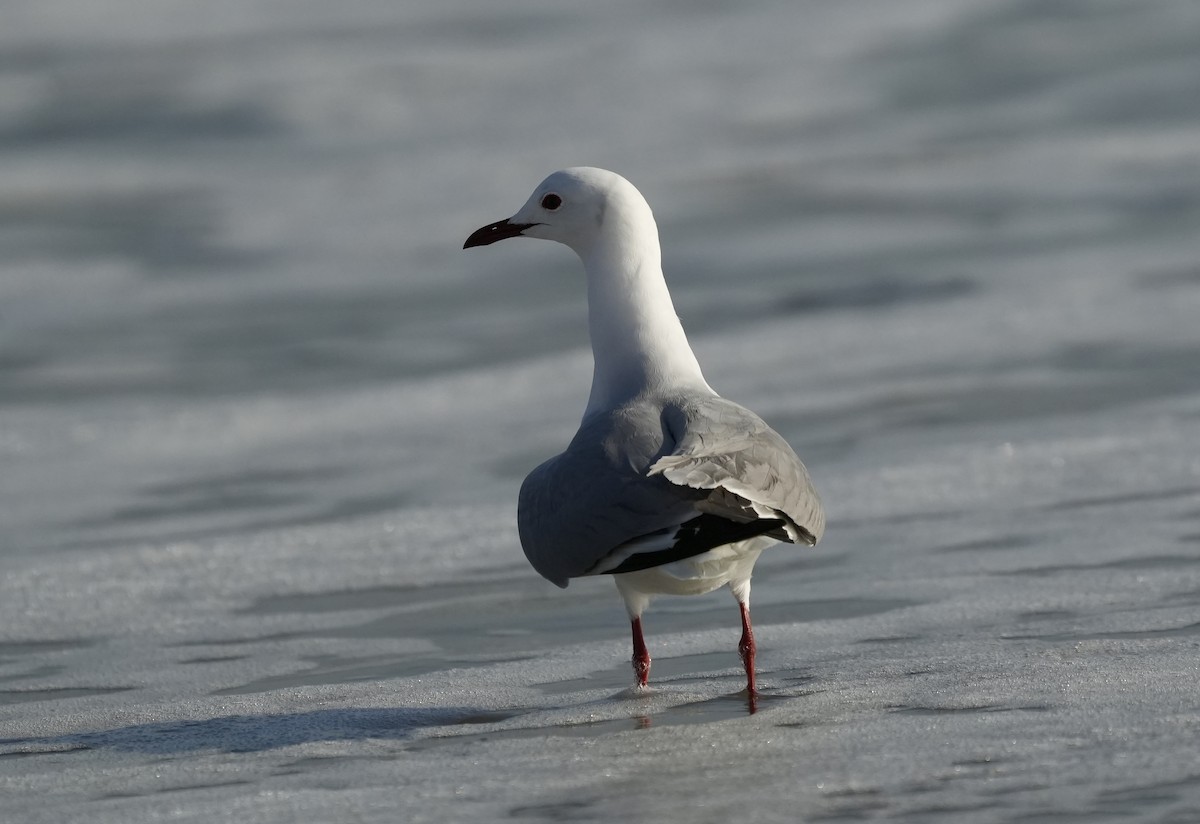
<point x="749" y="470"/>
<point x="577" y="508"/>
<point x="654" y="483"/>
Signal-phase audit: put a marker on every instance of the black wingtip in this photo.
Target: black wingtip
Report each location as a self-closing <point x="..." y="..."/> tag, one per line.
<point x="696" y="537"/>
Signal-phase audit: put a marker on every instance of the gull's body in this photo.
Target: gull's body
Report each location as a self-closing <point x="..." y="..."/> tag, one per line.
<point x="666" y="486"/>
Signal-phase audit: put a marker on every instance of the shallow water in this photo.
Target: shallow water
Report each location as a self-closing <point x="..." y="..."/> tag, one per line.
<point x="262" y="421"/>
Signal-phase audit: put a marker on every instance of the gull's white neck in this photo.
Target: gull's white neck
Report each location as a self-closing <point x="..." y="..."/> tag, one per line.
<point x="638" y="342"/>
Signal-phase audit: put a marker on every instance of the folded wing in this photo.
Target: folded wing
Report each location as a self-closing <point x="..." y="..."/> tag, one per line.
<point x="656" y="483"/>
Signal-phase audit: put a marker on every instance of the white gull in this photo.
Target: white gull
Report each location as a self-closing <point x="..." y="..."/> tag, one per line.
<point x="666" y="486"/>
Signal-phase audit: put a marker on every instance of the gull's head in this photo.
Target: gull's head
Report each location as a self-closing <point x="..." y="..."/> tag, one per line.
<point x="576" y="207"/>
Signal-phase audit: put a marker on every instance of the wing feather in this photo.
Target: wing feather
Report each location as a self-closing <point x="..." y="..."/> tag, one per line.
<point x="750" y="470"/>
<point x="656" y="482"/>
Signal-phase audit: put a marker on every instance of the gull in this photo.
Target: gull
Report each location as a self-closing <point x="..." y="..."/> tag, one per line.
<point x="667" y="487"/>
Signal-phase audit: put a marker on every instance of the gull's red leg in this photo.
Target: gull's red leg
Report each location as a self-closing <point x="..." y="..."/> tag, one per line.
<point x="746" y="648"/>
<point x="641" y="655"/>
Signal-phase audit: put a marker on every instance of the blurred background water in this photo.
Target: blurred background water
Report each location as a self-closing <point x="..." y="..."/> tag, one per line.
<point x="233" y="300"/>
<point x="239" y="201"/>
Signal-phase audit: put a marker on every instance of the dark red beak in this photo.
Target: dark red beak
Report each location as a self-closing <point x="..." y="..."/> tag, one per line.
<point x="499" y="230"/>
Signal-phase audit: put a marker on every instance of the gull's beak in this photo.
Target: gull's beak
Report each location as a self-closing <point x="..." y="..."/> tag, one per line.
<point x="496" y="231"/>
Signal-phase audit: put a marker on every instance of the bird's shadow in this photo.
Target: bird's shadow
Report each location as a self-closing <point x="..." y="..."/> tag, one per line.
<point x="256" y="733"/>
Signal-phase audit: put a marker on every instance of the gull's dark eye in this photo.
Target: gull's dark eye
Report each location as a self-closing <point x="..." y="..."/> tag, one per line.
<point x="551" y="202"/>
